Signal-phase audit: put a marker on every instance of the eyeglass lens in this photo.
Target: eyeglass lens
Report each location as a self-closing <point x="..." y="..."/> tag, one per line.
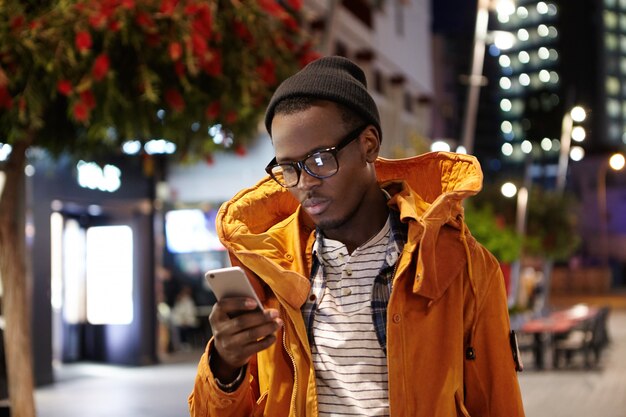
<point x="320" y="165"/>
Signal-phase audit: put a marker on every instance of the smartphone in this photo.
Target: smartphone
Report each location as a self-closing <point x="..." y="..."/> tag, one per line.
<point x="231" y="282"/>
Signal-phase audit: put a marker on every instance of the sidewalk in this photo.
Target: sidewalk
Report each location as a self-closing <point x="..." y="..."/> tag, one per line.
<point x="579" y="392"/>
<point x="96" y="390"/>
<point x="161" y="391"/>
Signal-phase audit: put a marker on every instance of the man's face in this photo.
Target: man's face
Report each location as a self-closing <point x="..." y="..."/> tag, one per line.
<point x="335" y="202"/>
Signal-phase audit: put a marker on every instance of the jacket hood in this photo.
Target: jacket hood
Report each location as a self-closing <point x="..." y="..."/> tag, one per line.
<point x="428" y="188"/>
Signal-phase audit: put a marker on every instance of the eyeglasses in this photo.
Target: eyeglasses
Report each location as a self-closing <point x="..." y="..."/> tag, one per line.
<point x="319" y="164"/>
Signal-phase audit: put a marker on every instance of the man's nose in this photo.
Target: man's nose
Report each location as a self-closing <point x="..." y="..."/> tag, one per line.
<point x="308" y="181"/>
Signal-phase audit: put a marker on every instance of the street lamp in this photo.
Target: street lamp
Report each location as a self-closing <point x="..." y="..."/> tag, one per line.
<point x="475" y="80"/>
<point x="510" y="190"/>
<point x="616" y="162"/>
<point x="577" y="114"/>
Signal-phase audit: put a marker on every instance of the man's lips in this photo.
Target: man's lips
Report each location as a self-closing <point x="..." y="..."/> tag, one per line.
<point x="315" y="205"/>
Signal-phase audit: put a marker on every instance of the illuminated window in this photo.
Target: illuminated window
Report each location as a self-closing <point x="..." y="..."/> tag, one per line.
<point x="614" y="132"/>
<point x="610" y="41"/>
<point x="522" y="35"/>
<point x="522" y="12"/>
<point x="552" y="32"/>
<point x="542" y="7"/>
<point x="554" y="77"/>
<point x="622" y="43"/>
<point x="554" y="55"/>
<point x="612" y="86"/>
<point x="73" y="273"/>
<point x="610" y="20"/>
<point x="552" y="10"/>
<point x="524" y="79"/>
<point x="109" y="273"/>
<point x="523" y="57"/>
<point x="613" y="107"/>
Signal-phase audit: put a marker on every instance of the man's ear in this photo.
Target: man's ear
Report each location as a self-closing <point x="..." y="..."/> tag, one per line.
<point x="371" y="142"/>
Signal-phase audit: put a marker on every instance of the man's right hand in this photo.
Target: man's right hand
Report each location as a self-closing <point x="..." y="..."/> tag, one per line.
<point x="240" y="330"/>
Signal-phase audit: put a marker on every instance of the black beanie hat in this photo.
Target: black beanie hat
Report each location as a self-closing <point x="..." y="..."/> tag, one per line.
<point x="332" y="78"/>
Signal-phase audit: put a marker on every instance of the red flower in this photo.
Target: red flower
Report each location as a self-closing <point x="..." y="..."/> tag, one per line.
<point x="98" y="21"/>
<point x="100" y="67"/>
<point x="231" y="117"/>
<point x="80" y="111"/>
<point x="83" y="41"/>
<point x="127" y="4"/>
<point x="6" y="101"/>
<point x="240" y="150"/>
<point x="17" y="22"/>
<point x="267" y="71"/>
<point x="179" y="68"/>
<point x="88" y="99"/>
<point x="175" y="50"/>
<point x="308" y="57"/>
<point x="294" y="4"/>
<point x="34" y="25"/>
<point x="242" y="31"/>
<point x="174" y="100"/>
<point x="115" y="25"/>
<point x="144" y="20"/>
<point x="202" y="23"/>
<point x="213" y="110"/>
<point x="290" y="23"/>
<point x="198" y="44"/>
<point x="168" y="7"/>
<point x="272" y="7"/>
<point x="64" y="87"/>
<point x="213" y="64"/>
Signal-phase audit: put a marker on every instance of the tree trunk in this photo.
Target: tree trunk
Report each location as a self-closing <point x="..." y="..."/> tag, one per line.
<point x="16" y="301"/>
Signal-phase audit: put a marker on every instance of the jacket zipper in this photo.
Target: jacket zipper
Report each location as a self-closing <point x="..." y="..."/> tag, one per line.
<point x="295" y="372"/>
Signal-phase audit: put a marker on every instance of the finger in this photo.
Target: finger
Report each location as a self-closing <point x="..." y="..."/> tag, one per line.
<point x="250" y="327"/>
<point x="238" y="349"/>
<point x="224" y="309"/>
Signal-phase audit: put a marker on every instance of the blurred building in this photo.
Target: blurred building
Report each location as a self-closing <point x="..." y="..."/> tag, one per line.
<point x="567" y="54"/>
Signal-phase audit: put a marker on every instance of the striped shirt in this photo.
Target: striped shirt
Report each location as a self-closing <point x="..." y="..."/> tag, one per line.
<point x="346" y="319"/>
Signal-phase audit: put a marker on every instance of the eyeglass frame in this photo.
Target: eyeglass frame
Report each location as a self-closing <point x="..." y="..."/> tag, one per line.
<point x="298" y="166"/>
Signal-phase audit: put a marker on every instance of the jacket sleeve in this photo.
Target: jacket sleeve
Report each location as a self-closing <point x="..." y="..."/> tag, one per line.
<point x="491" y="385"/>
<point x="208" y="400"/>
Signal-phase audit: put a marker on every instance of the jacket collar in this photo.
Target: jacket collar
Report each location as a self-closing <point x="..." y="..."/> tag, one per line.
<point x="265" y="228"/>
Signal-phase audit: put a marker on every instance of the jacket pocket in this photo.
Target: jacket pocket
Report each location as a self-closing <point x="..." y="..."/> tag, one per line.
<point x="461" y="411"/>
<point x="259" y="408"/>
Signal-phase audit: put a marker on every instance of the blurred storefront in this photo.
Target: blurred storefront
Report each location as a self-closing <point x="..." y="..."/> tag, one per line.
<point x="90" y="233"/>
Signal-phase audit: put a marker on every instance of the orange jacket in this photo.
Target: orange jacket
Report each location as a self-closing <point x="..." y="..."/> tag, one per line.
<point x="448" y="294"/>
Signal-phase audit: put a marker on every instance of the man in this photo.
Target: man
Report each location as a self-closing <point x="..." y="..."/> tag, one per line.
<point x="377" y="299"/>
